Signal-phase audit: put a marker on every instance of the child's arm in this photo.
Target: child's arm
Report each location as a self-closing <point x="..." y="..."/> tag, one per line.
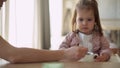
<point x="66" y="42"/>
<point x="105" y="50"/>
<point x="105" y="46"/>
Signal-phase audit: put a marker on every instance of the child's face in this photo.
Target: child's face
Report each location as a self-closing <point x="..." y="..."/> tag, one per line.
<point x="85" y="20"/>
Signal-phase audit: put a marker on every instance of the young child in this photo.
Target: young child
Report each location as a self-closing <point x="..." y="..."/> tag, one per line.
<point x="87" y="31"/>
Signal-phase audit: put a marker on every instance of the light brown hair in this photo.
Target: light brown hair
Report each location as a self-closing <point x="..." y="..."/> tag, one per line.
<point x="90" y="5"/>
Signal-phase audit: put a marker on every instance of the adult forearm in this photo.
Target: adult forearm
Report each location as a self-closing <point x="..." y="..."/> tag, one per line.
<point x="33" y="55"/>
<point x="20" y="55"/>
<point x="23" y="55"/>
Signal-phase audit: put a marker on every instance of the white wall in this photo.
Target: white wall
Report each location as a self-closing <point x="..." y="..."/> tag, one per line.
<point x="108" y="8"/>
<point x="118" y="9"/>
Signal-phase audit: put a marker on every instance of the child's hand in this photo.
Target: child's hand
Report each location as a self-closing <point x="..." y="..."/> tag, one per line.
<point x="102" y="58"/>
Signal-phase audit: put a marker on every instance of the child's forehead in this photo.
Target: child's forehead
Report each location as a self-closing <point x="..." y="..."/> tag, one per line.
<point x="85" y="11"/>
<point x="85" y="8"/>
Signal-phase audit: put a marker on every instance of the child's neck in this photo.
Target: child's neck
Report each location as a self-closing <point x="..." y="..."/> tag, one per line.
<point x="87" y="33"/>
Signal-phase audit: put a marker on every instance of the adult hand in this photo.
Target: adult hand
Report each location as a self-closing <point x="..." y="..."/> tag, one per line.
<point x="75" y="53"/>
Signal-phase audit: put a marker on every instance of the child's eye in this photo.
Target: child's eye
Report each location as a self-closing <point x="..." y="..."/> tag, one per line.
<point x="80" y="19"/>
<point x="89" y="19"/>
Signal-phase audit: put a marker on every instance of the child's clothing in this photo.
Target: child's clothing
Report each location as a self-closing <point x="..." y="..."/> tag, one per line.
<point x="85" y="41"/>
<point x="94" y="42"/>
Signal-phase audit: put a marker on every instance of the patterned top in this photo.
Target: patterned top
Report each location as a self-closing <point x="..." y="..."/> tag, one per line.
<point x="99" y="43"/>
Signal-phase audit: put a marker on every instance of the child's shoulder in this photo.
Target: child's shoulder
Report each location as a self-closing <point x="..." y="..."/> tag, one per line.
<point x="97" y="35"/>
<point x="72" y="34"/>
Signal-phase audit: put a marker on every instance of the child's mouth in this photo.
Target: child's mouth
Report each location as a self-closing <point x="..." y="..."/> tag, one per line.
<point x="85" y="28"/>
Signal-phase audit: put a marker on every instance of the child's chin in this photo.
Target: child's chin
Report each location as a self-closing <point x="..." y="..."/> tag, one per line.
<point x="85" y="32"/>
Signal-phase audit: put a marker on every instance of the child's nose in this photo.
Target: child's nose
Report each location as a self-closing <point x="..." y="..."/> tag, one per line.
<point x="84" y="22"/>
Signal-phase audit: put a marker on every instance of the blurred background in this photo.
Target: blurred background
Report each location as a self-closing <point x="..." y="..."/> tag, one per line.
<point x="43" y="24"/>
